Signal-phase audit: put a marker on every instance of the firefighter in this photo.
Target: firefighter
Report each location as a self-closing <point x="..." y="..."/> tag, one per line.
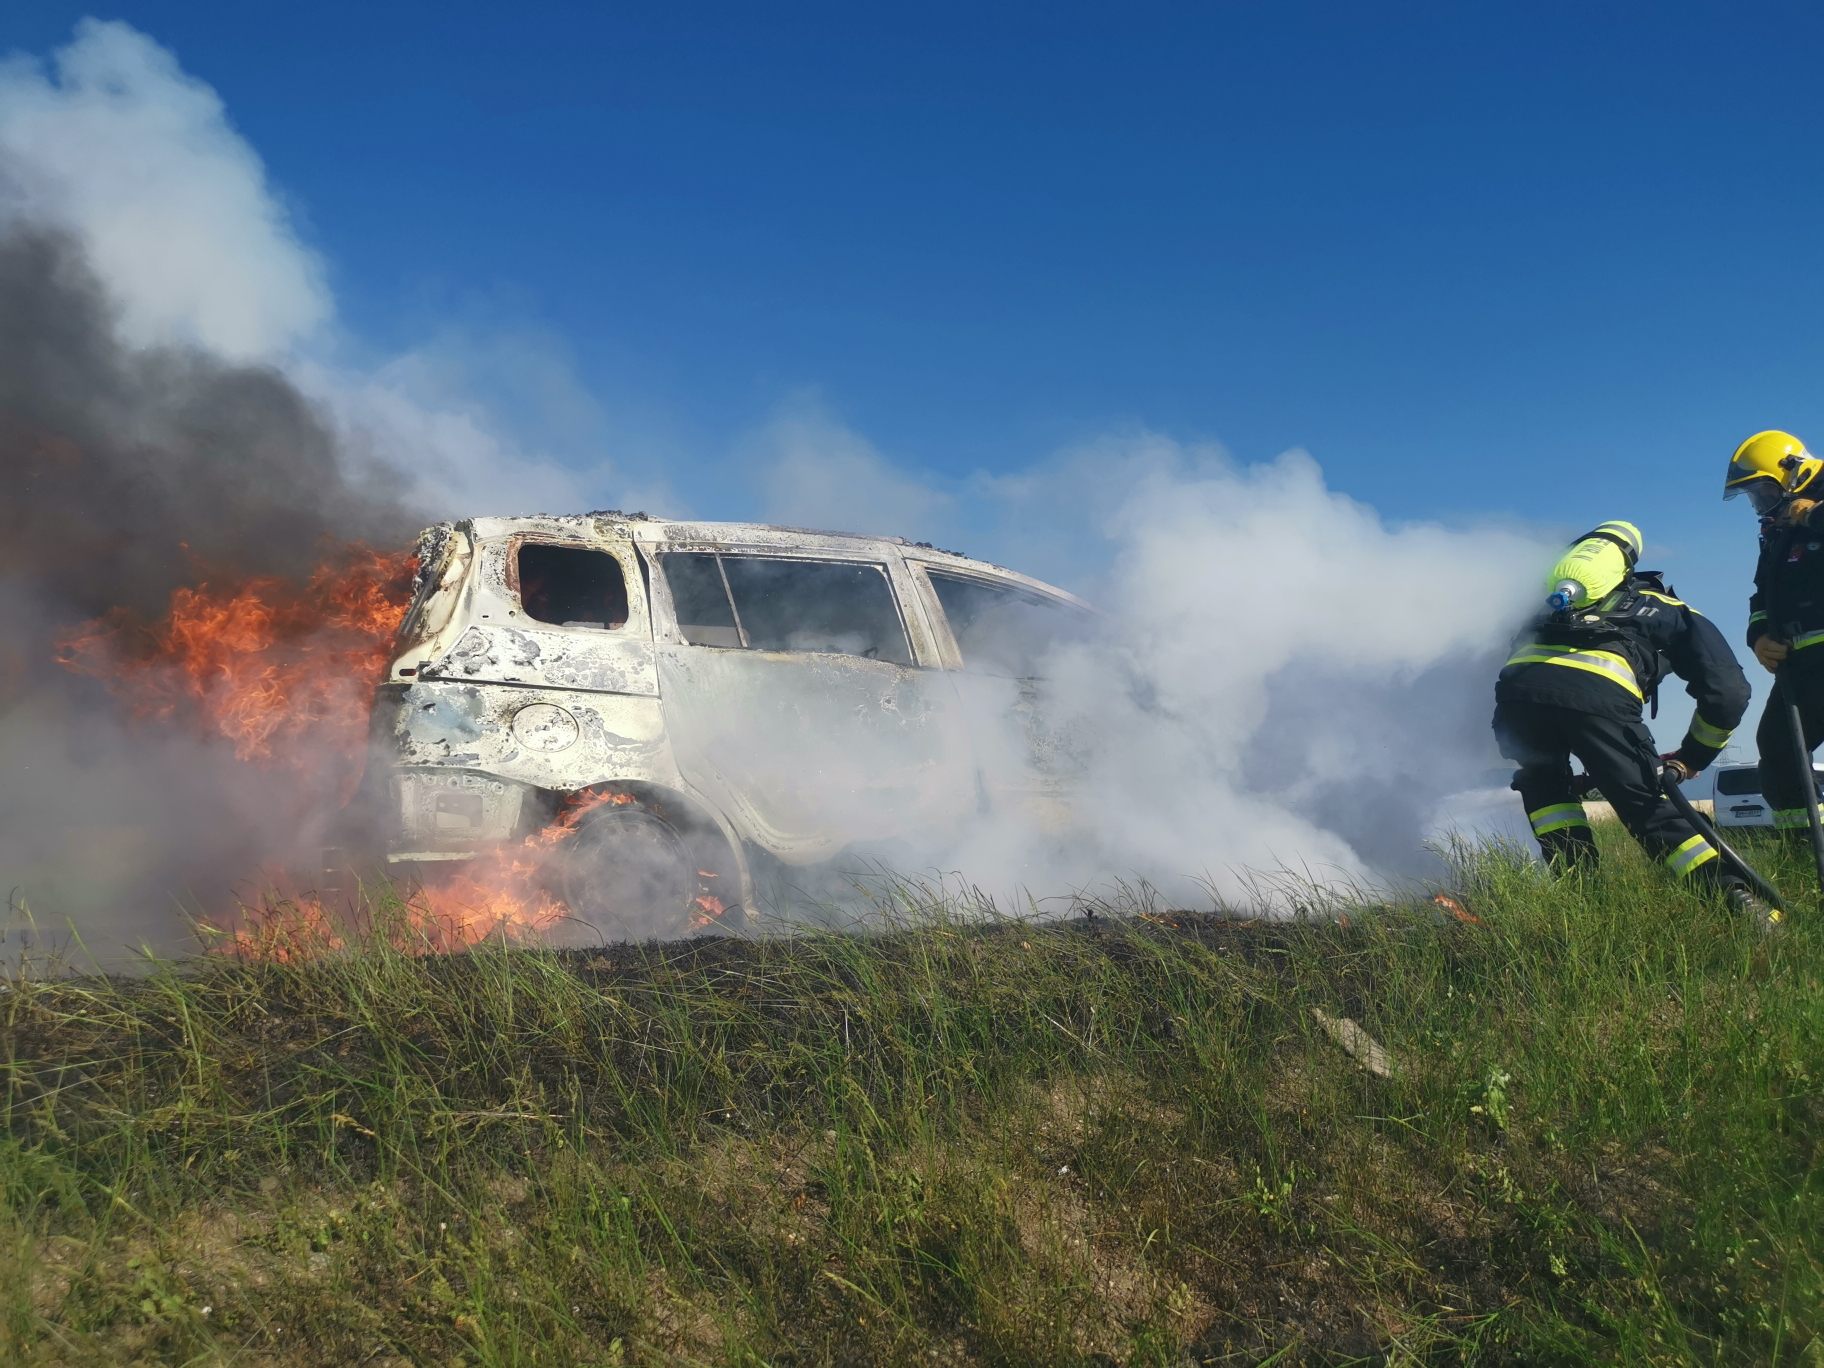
<point x="1786" y="610"/>
<point x="1576" y="684"/>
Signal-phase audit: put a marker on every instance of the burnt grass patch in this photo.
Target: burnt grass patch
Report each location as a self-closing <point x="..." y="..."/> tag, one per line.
<point x="1133" y="1138"/>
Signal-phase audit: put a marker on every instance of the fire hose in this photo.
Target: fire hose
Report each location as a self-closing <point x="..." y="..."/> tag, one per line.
<point x="1668" y="784"/>
<point x="1786" y="696"/>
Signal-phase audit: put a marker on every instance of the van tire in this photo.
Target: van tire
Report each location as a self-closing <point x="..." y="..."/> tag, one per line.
<point x="626" y="875"/>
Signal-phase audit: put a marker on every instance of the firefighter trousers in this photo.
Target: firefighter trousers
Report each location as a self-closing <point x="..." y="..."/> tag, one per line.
<point x="1624" y="763"/>
<point x="1782" y="775"/>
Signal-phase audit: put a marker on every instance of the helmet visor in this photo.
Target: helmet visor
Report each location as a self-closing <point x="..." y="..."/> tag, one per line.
<point x="1765" y="494"/>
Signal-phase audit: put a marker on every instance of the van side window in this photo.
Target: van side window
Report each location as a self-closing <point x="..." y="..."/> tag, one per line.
<point x="1002" y="630"/>
<point x="786" y="605"/>
<point x="572" y="586"/>
<point x="700" y="600"/>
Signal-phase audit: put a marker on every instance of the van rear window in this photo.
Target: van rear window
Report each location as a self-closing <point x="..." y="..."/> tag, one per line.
<point x="572" y="586"/>
<point x="764" y="603"/>
<point x="1734" y="781"/>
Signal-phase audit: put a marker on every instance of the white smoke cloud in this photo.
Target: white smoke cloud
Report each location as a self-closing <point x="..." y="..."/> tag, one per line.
<point x="455" y="455"/>
<point x="1287" y="681"/>
<point x="114" y="141"/>
<point x="818" y="472"/>
<point x="1317" y="679"/>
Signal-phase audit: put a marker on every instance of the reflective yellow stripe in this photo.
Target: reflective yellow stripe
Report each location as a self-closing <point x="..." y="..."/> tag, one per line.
<point x="1627" y="532"/>
<point x="1605" y="663"/>
<point x="1706" y="735"/>
<point x="1756" y="617"/>
<point x="1557" y="817"/>
<point x="1694" y="852"/>
<point x="1804" y="639"/>
<point x="1667" y="598"/>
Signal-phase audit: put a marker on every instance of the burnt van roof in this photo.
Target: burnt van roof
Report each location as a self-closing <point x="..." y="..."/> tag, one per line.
<point x="647" y="529"/>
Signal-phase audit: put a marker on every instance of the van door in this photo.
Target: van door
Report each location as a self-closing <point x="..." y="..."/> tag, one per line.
<point x="794" y="696"/>
<point x="1000" y="635"/>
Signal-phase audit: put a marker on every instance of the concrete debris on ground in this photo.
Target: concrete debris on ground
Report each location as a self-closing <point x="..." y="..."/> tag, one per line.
<point x="1361" y="1046"/>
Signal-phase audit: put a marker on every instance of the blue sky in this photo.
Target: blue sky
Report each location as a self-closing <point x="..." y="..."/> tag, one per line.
<point x="1543" y="261"/>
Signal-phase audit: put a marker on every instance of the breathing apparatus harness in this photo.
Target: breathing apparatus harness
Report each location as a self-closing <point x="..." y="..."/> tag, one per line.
<point x="1596" y="626"/>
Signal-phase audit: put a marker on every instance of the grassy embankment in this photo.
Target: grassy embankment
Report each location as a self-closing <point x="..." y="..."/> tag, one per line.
<point x="1127" y="1142"/>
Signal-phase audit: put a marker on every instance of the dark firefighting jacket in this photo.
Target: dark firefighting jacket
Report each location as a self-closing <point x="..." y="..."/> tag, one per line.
<point x="1788" y="598"/>
<point x="1608" y="661"/>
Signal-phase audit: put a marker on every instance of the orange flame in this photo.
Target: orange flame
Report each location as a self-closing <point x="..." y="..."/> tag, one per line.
<point x="284" y="673"/>
<point x="284" y="930"/>
<point x="504" y="894"/>
<point x="1456" y="909"/>
<point x="709" y="911"/>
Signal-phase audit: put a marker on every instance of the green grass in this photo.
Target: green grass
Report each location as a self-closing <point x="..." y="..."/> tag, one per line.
<point x="1128" y="1141"/>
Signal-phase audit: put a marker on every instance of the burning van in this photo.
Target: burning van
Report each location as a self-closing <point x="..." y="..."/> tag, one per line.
<point x="685" y="706"/>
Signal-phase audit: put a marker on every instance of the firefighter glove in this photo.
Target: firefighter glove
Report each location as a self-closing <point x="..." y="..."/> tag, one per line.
<point x="1797" y="512"/>
<point x="1770" y="651"/>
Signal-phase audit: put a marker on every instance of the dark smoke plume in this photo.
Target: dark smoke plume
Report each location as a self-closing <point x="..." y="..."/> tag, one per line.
<point x="128" y="474"/>
<point x="128" y="468"/>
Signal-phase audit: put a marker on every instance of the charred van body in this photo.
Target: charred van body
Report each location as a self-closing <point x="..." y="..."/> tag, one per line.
<point x="754" y="696"/>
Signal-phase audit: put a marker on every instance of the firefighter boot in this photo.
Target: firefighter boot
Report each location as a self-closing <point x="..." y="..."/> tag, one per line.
<point x="1766" y="917"/>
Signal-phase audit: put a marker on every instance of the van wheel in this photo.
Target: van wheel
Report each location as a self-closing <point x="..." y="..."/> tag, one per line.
<point x="626" y="875"/>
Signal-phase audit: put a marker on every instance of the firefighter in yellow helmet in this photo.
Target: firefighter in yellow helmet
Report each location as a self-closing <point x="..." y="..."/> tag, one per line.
<point x="1576" y="685"/>
<point x="1786" y="610"/>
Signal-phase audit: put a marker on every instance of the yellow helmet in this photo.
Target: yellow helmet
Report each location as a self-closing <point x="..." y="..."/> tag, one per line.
<point x="1770" y="465"/>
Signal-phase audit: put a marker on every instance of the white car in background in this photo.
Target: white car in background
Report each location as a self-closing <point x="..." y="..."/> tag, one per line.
<point x="1738" y="796"/>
